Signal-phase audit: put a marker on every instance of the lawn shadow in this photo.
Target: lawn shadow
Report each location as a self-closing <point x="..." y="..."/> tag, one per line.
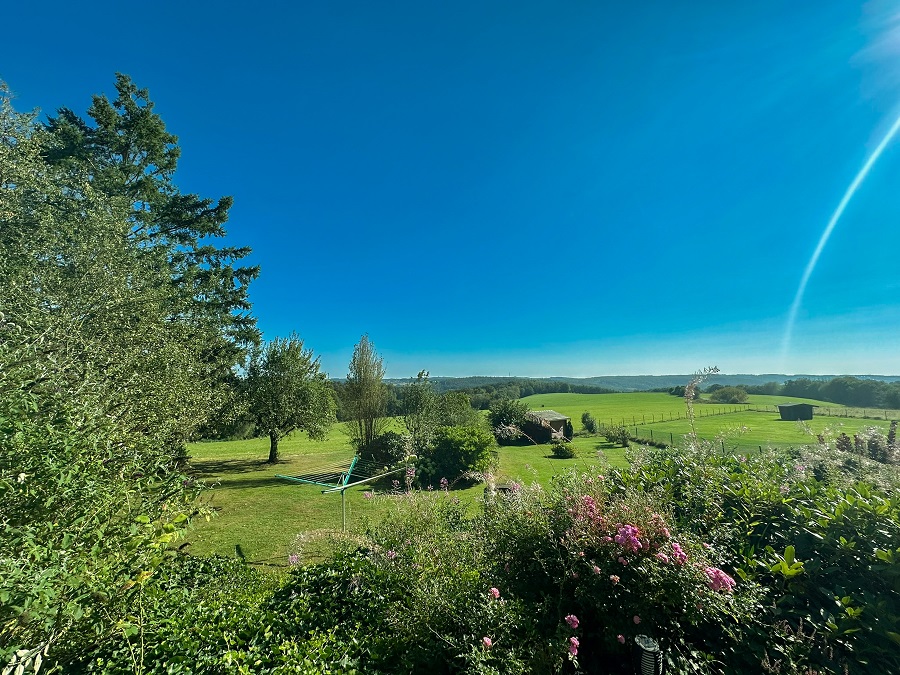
<point x="206" y="468"/>
<point x="607" y="445"/>
<point x="249" y="482"/>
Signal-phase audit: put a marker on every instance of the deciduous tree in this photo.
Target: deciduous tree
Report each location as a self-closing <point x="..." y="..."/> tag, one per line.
<point x="102" y="379"/>
<point x="365" y="394"/>
<point x="286" y="392"/>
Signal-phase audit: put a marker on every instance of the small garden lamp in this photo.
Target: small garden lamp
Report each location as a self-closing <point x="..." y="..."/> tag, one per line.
<point x="647" y="656"/>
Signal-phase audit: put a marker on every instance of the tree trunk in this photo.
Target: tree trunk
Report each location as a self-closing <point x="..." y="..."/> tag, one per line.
<point x="273" y="448"/>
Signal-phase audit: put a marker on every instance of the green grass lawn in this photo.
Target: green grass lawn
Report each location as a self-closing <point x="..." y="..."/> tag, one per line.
<point x="748" y="430"/>
<point x="643" y="407"/>
<point x="264" y="514"/>
<point x="740" y="426"/>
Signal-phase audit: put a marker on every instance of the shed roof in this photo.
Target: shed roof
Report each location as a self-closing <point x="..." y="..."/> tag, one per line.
<point x="549" y="415"/>
<point x="796" y="405"/>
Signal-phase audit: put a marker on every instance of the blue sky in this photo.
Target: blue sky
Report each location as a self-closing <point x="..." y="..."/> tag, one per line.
<point x="526" y="188"/>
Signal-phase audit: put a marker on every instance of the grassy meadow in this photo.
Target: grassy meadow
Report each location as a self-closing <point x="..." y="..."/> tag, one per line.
<point x="742" y="427"/>
<point x="264" y="514"/>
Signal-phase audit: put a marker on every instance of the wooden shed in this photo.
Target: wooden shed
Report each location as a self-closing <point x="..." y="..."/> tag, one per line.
<point x="547" y="425"/>
<point x="796" y="411"/>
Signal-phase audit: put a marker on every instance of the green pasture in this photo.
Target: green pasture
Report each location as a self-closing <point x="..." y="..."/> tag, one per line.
<point x="643" y="407"/>
<point x="756" y="423"/>
<point x="264" y="514"/>
<point x="749" y="430"/>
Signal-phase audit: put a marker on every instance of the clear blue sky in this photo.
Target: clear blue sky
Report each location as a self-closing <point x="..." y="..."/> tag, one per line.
<point x="528" y="188"/>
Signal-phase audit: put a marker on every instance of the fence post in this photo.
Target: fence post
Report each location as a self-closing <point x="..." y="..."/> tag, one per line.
<point x="671" y="439"/>
<point x="651" y="434"/>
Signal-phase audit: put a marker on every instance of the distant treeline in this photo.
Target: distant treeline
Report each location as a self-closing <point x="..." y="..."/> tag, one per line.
<point x="845" y="390"/>
<point x="484" y="391"/>
<point x="481" y="397"/>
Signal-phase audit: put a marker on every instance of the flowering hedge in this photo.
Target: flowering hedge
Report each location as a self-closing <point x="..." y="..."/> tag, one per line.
<point x="777" y="563"/>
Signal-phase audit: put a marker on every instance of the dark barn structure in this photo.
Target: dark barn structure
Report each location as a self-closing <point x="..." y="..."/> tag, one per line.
<point x="796" y="411"/>
<point x="547" y="425"/>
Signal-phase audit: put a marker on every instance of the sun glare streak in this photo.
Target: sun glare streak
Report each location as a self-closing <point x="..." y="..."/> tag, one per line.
<point x="835" y="217"/>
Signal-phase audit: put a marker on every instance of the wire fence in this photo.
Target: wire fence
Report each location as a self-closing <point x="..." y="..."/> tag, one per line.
<point x="640" y="426"/>
<point x="706" y="410"/>
<point x="826" y="411"/>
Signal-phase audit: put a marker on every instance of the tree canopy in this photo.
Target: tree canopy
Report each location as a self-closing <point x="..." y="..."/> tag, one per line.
<point x="125" y="152"/>
<point x="104" y="374"/>
<point x="286" y="392"/>
<point x="365" y="394"/>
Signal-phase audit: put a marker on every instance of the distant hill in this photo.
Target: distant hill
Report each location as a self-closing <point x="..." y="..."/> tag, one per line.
<point x="628" y="383"/>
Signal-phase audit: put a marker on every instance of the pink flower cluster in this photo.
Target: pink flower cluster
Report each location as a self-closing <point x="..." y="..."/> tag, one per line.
<point x="678" y="553"/>
<point x="573" y="646"/>
<point x="627" y="538"/>
<point x="494" y="593"/>
<point x="657" y="521"/>
<point x="718" y="580"/>
<point x="572" y="620"/>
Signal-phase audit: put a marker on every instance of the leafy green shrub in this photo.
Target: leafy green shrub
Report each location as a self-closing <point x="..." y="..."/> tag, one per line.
<point x="196" y="615"/>
<point x="729" y="395"/>
<point x="843" y="443"/>
<point x="589" y="422"/>
<point x="562" y="450"/>
<point x="507" y="417"/>
<point x="457" y="451"/>
<point x="387" y="450"/>
<point x="614" y="433"/>
<point x="819" y="542"/>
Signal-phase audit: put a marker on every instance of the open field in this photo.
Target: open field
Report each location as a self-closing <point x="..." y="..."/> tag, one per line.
<point x="641" y="407"/>
<point x="263" y="514"/>
<point x="663" y="417"/>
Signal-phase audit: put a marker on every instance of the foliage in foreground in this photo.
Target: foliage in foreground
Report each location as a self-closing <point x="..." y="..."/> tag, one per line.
<point x="118" y="328"/>
<point x="777" y="563"/>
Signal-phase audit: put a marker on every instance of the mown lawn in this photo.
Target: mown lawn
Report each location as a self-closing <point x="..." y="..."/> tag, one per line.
<point x="264" y="514"/>
<point x="644" y="407"/>
<point x="739" y="426"/>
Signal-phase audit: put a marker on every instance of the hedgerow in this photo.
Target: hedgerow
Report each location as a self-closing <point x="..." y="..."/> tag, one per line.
<point x="785" y="561"/>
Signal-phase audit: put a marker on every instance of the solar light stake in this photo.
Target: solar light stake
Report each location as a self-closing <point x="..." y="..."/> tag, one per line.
<point x="647" y="656"/>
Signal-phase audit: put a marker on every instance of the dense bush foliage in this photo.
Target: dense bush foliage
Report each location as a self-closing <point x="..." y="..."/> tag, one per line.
<point x="783" y="562"/>
<point x="387" y="450"/>
<point x="729" y="395"/>
<point x="507" y="417"/>
<point x="589" y="423"/>
<point x="614" y="433"/>
<point x="456" y="451"/>
<point x="562" y="449"/>
<point x="118" y="329"/>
